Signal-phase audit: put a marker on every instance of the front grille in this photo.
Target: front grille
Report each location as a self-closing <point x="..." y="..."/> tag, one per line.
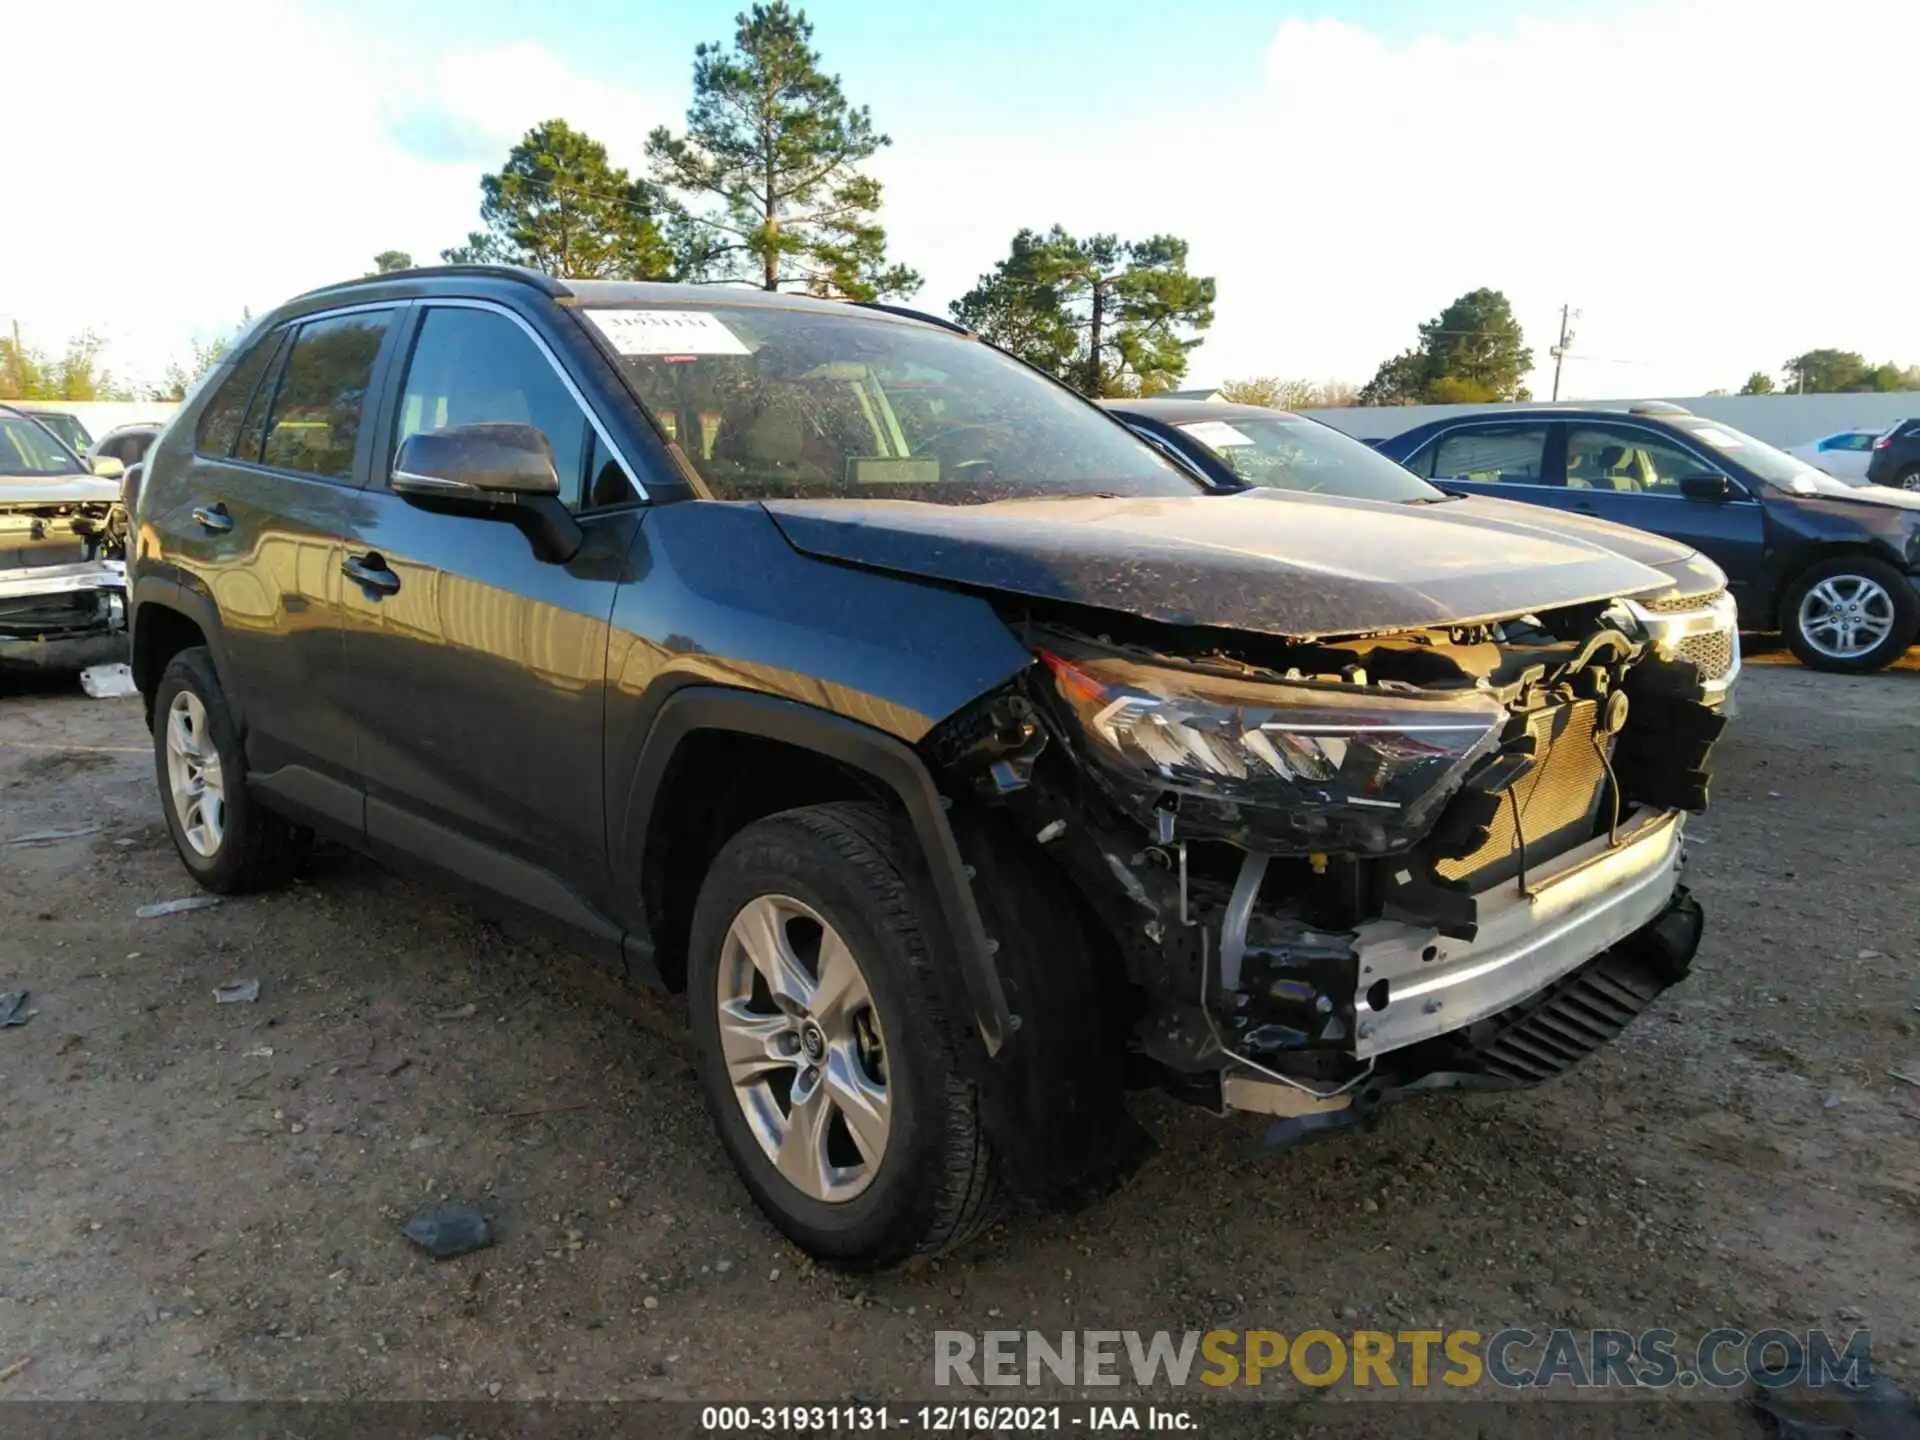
<point x="1712" y="651"/>
<point x="1675" y="604"/>
<point x="1557" y="799"/>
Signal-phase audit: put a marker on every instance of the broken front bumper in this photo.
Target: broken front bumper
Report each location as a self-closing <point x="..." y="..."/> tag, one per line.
<point x="1415" y="984"/>
<point x="64" y="617"/>
<point x="1555" y="970"/>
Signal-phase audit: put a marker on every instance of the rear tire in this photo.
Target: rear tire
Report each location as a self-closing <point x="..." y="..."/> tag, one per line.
<point x="877" y="1152"/>
<point x="226" y="839"/>
<point x="1908" y="479"/>
<point x="1850" y="614"/>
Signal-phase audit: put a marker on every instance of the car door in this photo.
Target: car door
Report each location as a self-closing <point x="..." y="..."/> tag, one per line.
<point x="476" y="668"/>
<point x="279" y="455"/>
<point x="1631" y="474"/>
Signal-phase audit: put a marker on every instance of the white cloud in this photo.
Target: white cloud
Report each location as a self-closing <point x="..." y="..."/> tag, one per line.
<point x="257" y="152"/>
<point x="1716" y="184"/>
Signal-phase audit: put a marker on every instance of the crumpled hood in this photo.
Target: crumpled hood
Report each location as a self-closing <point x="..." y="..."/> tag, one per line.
<point x="1265" y="561"/>
<point x="55" y="489"/>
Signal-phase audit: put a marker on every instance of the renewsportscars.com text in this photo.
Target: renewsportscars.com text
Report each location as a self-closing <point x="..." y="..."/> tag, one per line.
<point x="1512" y="1358"/>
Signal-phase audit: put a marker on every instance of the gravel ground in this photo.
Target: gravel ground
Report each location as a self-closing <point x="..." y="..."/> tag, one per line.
<point x="202" y="1200"/>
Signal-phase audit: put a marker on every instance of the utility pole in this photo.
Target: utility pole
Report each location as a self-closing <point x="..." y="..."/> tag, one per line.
<point x="1560" y="351"/>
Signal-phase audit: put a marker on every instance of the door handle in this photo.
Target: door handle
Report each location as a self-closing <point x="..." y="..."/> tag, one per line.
<point x="371" y="574"/>
<point x="214" y="519"/>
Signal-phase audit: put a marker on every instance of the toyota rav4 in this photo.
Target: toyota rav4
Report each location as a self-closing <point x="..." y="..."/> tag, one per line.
<point x="959" y="758"/>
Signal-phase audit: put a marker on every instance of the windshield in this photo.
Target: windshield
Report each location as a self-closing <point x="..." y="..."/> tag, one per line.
<point x="26" y="448"/>
<point x="1282" y="453"/>
<point x="67" y="428"/>
<point x="1775" y="467"/>
<point x="771" y="403"/>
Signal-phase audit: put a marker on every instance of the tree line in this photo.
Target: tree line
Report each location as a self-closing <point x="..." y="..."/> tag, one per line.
<point x="1834" y="372"/>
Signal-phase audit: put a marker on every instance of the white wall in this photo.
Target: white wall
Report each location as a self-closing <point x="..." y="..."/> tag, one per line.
<point x="1778" y="419"/>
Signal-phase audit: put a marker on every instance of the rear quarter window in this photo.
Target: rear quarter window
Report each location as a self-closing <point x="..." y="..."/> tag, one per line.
<point x="219" y="423"/>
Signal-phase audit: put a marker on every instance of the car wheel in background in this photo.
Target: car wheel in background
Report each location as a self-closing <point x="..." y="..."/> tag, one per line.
<point x="1852" y="613"/>
<point x="227" y="841"/>
<point x="1908" y="479"/>
<point x="825" y="1051"/>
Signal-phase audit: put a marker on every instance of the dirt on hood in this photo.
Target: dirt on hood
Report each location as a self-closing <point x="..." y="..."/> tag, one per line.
<point x="1264" y="561"/>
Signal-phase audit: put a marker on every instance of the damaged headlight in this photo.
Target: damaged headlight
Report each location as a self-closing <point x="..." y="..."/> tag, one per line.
<point x="1283" y="767"/>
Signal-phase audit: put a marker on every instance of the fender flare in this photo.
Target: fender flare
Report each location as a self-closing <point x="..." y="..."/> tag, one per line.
<point x="165" y="593"/>
<point x="892" y="763"/>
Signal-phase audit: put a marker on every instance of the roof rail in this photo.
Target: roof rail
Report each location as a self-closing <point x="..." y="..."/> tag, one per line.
<point x="545" y="283"/>
<point x="908" y="313"/>
<point x="1657" y="407"/>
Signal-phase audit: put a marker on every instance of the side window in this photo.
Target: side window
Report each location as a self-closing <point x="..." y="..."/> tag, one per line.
<point x="1514" y="454"/>
<point x="220" y="422"/>
<point x="1605" y="458"/>
<point x="253" y="430"/>
<point x="315" y="420"/>
<point x="472" y="367"/>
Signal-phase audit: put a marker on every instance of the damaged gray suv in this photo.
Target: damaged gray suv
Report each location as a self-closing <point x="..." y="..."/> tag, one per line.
<point x="959" y="759"/>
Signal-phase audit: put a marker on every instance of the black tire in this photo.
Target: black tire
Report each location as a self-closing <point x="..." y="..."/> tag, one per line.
<point x="934" y="1185"/>
<point x="256" y="849"/>
<point x="1908" y="479"/>
<point x="1899" y="592"/>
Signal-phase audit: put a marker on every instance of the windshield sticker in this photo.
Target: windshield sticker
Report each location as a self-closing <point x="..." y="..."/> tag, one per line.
<point x="1719" y="439"/>
<point x="1217" y="435"/>
<point x="666" y="332"/>
<point x="885" y="470"/>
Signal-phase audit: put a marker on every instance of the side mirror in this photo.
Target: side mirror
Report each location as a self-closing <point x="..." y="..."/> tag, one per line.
<point x="498" y="471"/>
<point x="495" y="464"/>
<point x="1706" y="487"/>
<point x="106" y="467"/>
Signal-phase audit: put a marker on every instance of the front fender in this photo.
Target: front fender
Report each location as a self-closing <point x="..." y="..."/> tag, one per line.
<point x="702" y="707"/>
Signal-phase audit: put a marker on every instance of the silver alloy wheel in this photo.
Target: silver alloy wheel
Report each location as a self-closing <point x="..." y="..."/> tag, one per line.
<point x="194" y="776"/>
<point x="1909" y="481"/>
<point x="803" y="1047"/>
<point x="1846" y="616"/>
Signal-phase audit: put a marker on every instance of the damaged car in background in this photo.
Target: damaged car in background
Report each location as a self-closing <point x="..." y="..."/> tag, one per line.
<point x="63" y="540"/>
<point x="962" y="760"/>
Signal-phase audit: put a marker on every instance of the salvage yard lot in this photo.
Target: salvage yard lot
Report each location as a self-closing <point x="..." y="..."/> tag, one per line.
<point x="203" y="1199"/>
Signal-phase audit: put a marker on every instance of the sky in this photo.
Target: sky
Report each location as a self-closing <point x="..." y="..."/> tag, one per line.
<point x="1715" y="185"/>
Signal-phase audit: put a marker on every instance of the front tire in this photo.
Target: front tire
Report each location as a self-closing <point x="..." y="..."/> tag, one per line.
<point x="826" y="1054"/>
<point x="1850" y="614"/>
<point x="227" y="841"/>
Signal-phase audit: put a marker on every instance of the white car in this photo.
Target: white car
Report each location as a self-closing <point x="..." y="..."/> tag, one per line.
<point x="1843" y="454"/>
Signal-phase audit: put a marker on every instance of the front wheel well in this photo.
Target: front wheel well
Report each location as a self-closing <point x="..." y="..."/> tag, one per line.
<point x="159" y="634"/>
<point x="718" y="783"/>
<point x="1842" y="551"/>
